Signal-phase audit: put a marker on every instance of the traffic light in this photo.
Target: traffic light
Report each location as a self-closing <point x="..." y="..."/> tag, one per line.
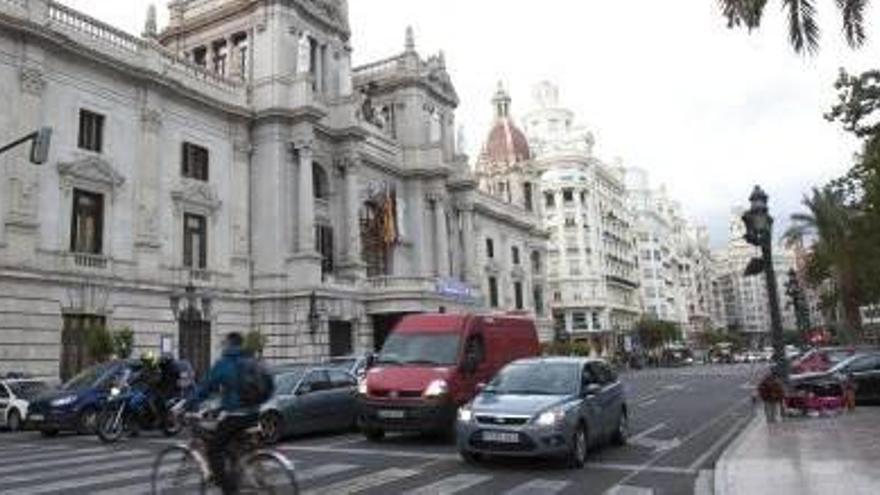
<point x="40" y="145"/>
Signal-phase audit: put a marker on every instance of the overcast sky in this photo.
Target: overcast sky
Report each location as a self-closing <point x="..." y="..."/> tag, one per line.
<point x="664" y="85"/>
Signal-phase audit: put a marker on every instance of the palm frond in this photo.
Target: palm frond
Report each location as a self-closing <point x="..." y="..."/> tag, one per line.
<point x="803" y="30"/>
<point x="853" y="12"/>
<point x="743" y="12"/>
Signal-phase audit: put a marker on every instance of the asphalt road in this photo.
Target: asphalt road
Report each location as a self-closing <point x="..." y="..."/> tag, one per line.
<point x="681" y="420"/>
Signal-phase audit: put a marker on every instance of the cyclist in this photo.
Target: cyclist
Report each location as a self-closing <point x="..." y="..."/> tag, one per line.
<point x="235" y="375"/>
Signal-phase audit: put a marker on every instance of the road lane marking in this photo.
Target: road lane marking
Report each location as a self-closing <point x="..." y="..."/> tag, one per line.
<point x="80" y="482"/>
<point x="647" y="403"/>
<point x="451" y="485"/>
<point x="33" y="450"/>
<point x="71" y="471"/>
<point x="636" y="467"/>
<point x="539" y="487"/>
<point x="146" y="488"/>
<point x="372" y="452"/>
<point x="74" y="457"/>
<point x="629" y="490"/>
<point x="644" y="433"/>
<point x="734" y="429"/>
<point x="365" y="482"/>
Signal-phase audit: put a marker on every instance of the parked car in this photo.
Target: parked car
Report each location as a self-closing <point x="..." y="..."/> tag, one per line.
<point x="825" y="358"/>
<point x="75" y="405"/>
<point x="545" y="407"/>
<point x="15" y="396"/>
<point x="309" y="399"/>
<point x="355" y="365"/>
<point x="431" y="364"/>
<point x="860" y="370"/>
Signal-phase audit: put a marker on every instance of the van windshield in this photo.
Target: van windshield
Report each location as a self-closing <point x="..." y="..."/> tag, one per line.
<point x="424" y="348"/>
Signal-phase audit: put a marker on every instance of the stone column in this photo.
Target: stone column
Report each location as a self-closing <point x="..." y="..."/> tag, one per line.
<point x="306" y="198"/>
<point x="147" y="238"/>
<point x="471" y="268"/>
<point x="417" y="228"/>
<point x="441" y="237"/>
<point x="352" y="266"/>
<point x="241" y="223"/>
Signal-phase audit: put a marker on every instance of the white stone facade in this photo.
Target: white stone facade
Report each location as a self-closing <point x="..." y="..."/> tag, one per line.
<point x="326" y="187"/>
<point x="592" y="278"/>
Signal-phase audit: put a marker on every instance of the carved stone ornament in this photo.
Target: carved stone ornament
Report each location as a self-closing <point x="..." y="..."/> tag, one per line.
<point x="198" y="194"/>
<point x="152" y="120"/>
<point x="91" y="169"/>
<point x="32" y="81"/>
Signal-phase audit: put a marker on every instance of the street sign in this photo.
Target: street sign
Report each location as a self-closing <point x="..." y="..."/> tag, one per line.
<point x="454" y="288"/>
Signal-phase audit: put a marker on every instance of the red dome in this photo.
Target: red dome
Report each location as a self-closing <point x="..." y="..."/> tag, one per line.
<point x="506" y="144"/>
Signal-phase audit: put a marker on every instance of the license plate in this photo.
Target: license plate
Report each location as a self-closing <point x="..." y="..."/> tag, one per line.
<point x="500" y="437"/>
<point x="36" y="417"/>
<point x="391" y="414"/>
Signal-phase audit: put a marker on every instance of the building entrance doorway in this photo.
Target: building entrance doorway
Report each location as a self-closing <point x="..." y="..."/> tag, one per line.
<point x="74" y="350"/>
<point x="194" y="342"/>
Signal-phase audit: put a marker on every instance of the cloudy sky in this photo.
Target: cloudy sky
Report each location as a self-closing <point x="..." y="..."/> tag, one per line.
<point x="664" y="85"/>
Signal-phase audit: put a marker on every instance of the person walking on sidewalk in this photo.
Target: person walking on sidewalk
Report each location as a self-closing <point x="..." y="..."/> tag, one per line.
<point x="771" y="390"/>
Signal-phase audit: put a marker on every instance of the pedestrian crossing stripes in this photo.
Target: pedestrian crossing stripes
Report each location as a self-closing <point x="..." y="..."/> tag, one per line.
<point x="95" y="469"/>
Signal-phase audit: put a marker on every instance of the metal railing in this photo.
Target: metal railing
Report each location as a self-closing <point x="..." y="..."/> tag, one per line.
<point x="92" y="261"/>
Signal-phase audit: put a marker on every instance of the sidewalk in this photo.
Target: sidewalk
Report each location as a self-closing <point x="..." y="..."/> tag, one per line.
<point x="839" y="454"/>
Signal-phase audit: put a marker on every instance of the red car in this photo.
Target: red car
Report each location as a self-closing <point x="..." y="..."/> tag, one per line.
<point x="823" y="359"/>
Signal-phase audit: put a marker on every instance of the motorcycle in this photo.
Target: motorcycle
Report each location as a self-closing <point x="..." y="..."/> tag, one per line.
<point x="128" y="410"/>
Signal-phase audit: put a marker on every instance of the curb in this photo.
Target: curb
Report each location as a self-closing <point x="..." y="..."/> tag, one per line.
<point x="721" y="466"/>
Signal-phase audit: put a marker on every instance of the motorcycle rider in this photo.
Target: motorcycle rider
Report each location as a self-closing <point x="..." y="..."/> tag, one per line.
<point x="228" y="376"/>
<point x="146" y="380"/>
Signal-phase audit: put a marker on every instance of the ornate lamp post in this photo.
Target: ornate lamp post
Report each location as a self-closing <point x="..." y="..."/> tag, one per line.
<point x="759" y="232"/>
<point x="795" y="293"/>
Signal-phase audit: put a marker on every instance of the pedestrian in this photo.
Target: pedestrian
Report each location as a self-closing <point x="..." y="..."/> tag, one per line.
<point x="771" y="390"/>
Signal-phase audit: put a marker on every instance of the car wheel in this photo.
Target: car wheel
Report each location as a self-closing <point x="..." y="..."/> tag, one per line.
<point x="88" y="420"/>
<point x="471" y="457"/>
<point x="374" y="434"/>
<point x="622" y="431"/>
<point x="577" y="456"/>
<point x="270" y="426"/>
<point x="49" y="432"/>
<point x="13" y="421"/>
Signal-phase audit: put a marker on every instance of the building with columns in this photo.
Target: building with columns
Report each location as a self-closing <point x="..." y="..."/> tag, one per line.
<point x="235" y="172"/>
<point x="548" y="169"/>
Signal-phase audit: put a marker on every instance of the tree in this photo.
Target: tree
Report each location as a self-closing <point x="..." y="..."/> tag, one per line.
<point x="832" y="224"/>
<point x="803" y="28"/>
<point x="123" y="342"/>
<point x="654" y="333"/>
<point x="254" y="343"/>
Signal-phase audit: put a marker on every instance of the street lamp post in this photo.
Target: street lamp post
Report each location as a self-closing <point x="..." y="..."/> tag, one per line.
<point x="759" y="232"/>
<point x="40" y="141"/>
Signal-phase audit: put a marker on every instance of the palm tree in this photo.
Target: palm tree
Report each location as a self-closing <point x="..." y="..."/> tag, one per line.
<point x="830" y="223"/>
<point x="803" y="28"/>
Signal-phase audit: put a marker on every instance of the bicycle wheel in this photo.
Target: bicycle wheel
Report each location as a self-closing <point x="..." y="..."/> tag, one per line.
<point x="178" y="470"/>
<point x="269" y="472"/>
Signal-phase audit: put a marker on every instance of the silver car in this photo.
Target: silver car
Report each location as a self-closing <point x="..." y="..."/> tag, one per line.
<point x="545" y="407"/>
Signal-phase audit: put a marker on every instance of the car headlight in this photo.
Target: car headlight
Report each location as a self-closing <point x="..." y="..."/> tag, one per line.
<point x="362" y="386"/>
<point x="465" y="414"/>
<point x="64" y="401"/>
<point x="114" y="391"/>
<point x="551" y="417"/>
<point x="436" y="388"/>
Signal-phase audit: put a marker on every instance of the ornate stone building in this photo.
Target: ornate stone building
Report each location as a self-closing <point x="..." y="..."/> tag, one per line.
<point x="234" y="172"/>
<point x="550" y="170"/>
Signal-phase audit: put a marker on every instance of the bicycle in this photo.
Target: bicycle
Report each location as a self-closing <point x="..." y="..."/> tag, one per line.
<point x="184" y="468"/>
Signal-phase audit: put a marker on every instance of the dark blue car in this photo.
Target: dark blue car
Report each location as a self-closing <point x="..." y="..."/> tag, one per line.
<point x="75" y="404"/>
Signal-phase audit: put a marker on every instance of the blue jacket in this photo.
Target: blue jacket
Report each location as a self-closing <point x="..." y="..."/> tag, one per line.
<point x="223" y="377"/>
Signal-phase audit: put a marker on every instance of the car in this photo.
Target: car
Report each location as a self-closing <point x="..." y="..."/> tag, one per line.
<point x="355" y="365"/>
<point x="15" y="395"/>
<point x="309" y="399"/>
<point x="75" y="404"/>
<point x="545" y="407"/>
<point x="862" y="370"/>
<point x="431" y="365"/>
<point x="825" y="358"/>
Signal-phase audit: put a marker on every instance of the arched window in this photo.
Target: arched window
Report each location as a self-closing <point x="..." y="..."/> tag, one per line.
<point x="320" y="183"/>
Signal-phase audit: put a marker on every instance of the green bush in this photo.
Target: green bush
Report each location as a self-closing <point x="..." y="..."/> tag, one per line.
<point x="99" y="343"/>
<point x="254" y="343"/>
<point x="123" y="342"/>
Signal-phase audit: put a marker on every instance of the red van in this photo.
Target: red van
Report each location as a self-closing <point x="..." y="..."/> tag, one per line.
<point x="432" y="363"/>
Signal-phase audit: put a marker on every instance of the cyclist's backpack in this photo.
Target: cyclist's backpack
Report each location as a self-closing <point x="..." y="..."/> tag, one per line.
<point x="255" y="384"/>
